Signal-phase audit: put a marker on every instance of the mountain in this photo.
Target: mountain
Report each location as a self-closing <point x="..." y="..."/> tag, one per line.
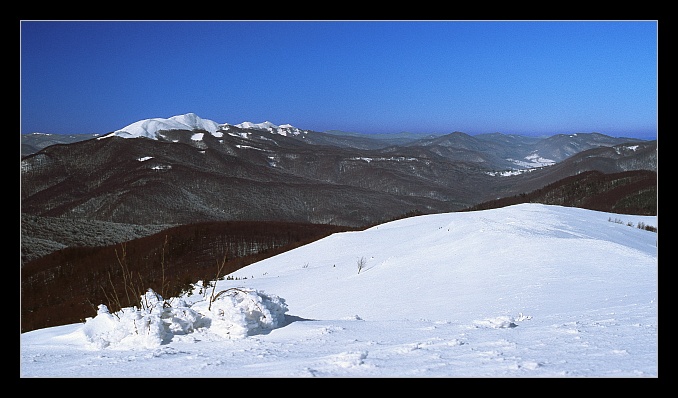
<point x="88" y="248"/>
<point x="244" y="175"/>
<point x="514" y="151"/>
<point x="384" y="139"/>
<point x="159" y="179"/>
<point x="525" y="291"/>
<point x="153" y="128"/>
<point x="626" y="192"/>
<point x="41" y="236"/>
<point x="561" y="146"/>
<point x="186" y="169"/>
<point x="614" y="159"/>
<point x="33" y="142"/>
<point x="271" y="169"/>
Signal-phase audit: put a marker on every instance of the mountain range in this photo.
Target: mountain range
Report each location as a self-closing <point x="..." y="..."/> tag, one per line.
<point x="187" y="169"/>
<point x="160" y="179"/>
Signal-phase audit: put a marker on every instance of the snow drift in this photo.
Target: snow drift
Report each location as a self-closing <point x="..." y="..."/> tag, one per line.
<point x="231" y="313"/>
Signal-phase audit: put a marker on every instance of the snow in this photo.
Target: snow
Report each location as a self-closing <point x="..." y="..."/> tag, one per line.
<point x="391" y="159"/>
<point x="249" y="147"/>
<point x="149" y="128"/>
<point x="266" y="126"/>
<point x="528" y="290"/>
<point x="631" y="148"/>
<point x="283" y="129"/>
<point x="533" y="161"/>
<point x="508" y="173"/>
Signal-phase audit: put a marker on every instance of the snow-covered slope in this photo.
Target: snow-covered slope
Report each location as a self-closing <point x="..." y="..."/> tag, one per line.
<point x="520" y="258"/>
<point x="149" y="128"/>
<point x="283" y="129"/>
<point x="523" y="291"/>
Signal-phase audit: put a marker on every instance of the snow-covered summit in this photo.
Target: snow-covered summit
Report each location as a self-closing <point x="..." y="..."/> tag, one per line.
<point x="149" y="128"/>
<point x="283" y="129"/>
<point x="266" y="126"/>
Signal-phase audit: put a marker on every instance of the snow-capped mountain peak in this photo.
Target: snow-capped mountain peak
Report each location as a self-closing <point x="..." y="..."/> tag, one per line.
<point x="149" y="128"/>
<point x="266" y="126"/>
<point x="283" y="129"/>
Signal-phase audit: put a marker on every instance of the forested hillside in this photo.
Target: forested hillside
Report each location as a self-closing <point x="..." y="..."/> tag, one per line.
<point x="66" y="286"/>
<point x="629" y="192"/>
<point x="43" y="235"/>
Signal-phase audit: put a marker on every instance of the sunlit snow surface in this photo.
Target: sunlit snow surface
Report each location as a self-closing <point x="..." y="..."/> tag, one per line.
<point x="150" y="128"/>
<point x="523" y="291"/>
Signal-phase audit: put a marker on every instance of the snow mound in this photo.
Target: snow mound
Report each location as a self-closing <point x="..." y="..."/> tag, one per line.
<point x="230" y="314"/>
<point x="501" y="322"/>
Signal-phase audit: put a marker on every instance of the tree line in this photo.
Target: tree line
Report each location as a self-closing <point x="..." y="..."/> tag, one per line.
<point x="66" y="286"/>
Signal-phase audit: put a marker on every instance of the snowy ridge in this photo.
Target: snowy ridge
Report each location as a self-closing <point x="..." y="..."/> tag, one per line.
<point x="527" y="290"/>
<point x="283" y="129"/>
<point x="149" y="128"/>
<point x="266" y="126"/>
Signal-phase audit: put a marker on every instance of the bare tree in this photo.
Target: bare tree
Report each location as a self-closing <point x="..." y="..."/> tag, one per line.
<point x="361" y="263"/>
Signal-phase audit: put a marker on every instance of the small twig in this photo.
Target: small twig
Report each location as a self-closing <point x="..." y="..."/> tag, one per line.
<point x="125" y="270"/>
<point x="115" y="292"/>
<point x="219" y="268"/>
<point x="237" y="290"/>
<point x="229" y="289"/>
<point x="164" y="285"/>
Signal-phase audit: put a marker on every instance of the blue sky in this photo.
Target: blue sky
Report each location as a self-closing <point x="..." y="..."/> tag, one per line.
<point x="513" y="77"/>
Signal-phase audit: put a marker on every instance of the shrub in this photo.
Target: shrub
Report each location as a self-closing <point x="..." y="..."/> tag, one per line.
<point x="361" y="264"/>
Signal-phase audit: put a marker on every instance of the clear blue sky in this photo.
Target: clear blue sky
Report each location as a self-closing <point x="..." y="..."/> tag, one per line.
<point x="522" y="77"/>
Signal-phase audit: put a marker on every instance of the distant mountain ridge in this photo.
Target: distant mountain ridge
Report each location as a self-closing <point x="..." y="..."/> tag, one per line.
<point x="627" y="192"/>
<point x="256" y="189"/>
<point x="33" y="142"/>
<point x="153" y="128"/>
<point x="186" y="169"/>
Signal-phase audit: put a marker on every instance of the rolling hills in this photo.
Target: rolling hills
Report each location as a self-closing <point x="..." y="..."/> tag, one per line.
<point x="198" y="184"/>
